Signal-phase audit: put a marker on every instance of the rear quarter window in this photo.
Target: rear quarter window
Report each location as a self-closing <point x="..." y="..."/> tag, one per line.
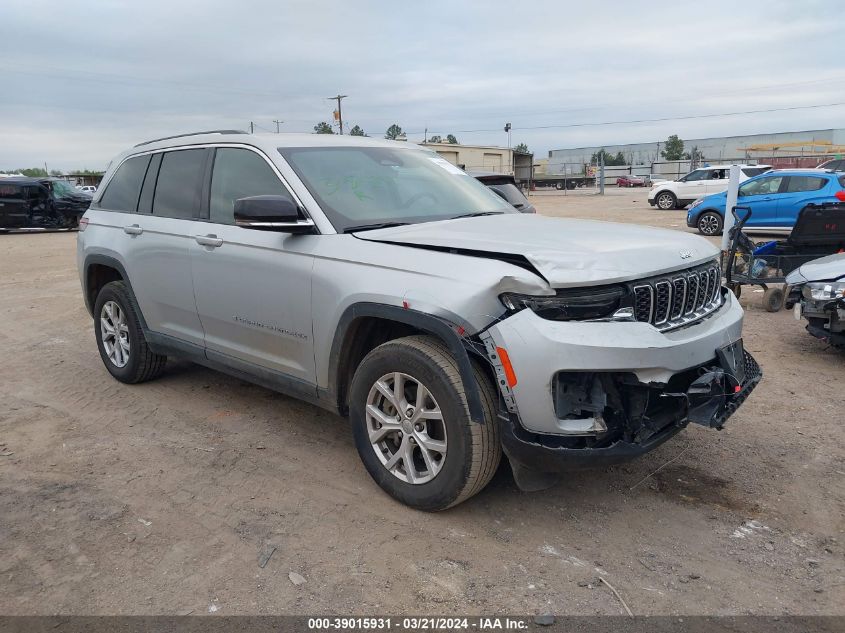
<point x="123" y="189"/>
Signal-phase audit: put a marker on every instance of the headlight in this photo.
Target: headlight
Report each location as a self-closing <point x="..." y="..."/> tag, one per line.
<point x="568" y="305"/>
<point x="822" y="290"/>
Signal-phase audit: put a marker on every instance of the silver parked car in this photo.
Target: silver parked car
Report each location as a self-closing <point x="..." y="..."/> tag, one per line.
<point x="377" y="280"/>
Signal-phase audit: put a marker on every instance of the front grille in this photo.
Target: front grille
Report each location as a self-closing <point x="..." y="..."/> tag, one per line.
<point x="674" y="300"/>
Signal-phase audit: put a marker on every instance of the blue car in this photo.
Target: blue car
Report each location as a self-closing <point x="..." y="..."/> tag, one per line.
<point x="775" y="198"/>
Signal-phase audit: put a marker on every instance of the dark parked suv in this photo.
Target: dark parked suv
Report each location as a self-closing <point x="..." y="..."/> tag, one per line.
<point x="40" y="203"/>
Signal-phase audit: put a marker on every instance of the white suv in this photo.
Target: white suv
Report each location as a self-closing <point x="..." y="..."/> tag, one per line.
<point x="676" y="194"/>
<point x="377" y="280"/>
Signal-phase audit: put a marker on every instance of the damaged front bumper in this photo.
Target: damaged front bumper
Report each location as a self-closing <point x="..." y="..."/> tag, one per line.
<point x="825" y="319"/>
<point x="593" y="394"/>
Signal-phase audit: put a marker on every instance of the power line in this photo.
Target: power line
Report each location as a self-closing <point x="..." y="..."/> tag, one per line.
<point x="657" y="120"/>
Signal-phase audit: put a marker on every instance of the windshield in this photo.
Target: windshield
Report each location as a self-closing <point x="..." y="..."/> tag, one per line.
<point x="359" y="186"/>
<point x="61" y="188"/>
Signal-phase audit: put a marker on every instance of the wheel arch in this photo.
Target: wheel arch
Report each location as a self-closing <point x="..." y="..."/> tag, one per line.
<point x="364" y="326"/>
<point x="100" y="270"/>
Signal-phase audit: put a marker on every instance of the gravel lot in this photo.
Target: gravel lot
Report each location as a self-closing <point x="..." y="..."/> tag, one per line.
<point x="161" y="498"/>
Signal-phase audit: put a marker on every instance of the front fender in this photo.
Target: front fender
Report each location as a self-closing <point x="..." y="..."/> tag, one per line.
<point x="435" y="326"/>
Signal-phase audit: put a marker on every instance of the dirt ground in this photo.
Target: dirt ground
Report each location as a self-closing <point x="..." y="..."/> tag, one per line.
<point x="160" y="498"/>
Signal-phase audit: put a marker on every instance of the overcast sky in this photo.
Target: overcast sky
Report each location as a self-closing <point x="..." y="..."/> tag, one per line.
<point x="83" y="79"/>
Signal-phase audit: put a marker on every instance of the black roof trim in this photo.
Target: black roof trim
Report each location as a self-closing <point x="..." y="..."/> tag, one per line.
<point x="167" y="138"/>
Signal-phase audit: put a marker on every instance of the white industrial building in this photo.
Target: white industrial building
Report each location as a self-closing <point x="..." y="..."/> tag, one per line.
<point x="768" y="148"/>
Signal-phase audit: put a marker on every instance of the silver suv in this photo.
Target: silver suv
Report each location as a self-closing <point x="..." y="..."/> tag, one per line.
<point x="378" y="281"/>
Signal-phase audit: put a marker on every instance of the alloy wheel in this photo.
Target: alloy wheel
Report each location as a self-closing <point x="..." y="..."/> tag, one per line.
<point x="406" y="428"/>
<point x="114" y="333"/>
<point x="665" y="201"/>
<point x="709" y="225"/>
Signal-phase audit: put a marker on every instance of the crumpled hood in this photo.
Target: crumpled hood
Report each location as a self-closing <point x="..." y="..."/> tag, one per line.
<point x="830" y="268"/>
<point x="566" y="252"/>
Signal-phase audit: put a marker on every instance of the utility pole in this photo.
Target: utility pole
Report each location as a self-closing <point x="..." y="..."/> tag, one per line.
<point x="601" y="174"/>
<point x="251" y="127"/>
<point x="338" y="98"/>
<point x="278" y="123"/>
<point x="510" y="153"/>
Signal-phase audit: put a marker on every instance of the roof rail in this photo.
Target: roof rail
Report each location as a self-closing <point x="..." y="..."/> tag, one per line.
<point x="167" y="138"/>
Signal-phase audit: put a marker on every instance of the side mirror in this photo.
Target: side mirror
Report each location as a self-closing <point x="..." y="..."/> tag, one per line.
<point x="271" y="213"/>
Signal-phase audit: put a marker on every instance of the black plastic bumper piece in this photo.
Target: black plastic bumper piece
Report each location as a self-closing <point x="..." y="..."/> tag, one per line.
<point x="543" y="453"/>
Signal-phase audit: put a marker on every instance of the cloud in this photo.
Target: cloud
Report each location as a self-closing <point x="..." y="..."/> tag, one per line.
<point x="82" y="80"/>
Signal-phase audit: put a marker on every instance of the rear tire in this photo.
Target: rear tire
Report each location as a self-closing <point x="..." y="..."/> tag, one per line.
<point x="120" y="339"/>
<point x="709" y="223"/>
<point x="469" y="452"/>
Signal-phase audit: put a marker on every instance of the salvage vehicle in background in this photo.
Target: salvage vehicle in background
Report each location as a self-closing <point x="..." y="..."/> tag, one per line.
<point x="817" y="293"/>
<point x="379" y="281"/>
<point x="630" y="181"/>
<point x="40" y="203"/>
<point x="504" y="185"/>
<point x="775" y="199"/>
<point x="676" y="194"/>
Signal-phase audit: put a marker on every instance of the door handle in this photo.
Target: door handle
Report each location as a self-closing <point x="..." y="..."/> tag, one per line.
<point x="133" y="229"/>
<point x="209" y="240"/>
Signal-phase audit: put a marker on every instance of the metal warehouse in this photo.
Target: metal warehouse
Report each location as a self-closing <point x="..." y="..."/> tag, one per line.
<point x="757" y="147"/>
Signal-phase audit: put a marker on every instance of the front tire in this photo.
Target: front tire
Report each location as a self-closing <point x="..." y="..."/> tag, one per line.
<point x="666" y="201"/>
<point x="120" y="339"/>
<point x="412" y="426"/>
<point x="709" y="223"/>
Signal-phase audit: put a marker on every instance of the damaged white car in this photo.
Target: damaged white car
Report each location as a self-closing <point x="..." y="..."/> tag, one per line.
<point x="817" y="293"/>
<point x="379" y="281"/>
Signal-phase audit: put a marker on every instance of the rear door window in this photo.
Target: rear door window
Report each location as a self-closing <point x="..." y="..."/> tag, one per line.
<point x="239" y="173"/>
<point x="177" y="190"/>
<point x="123" y="189"/>
<point x="805" y="183"/>
<point x="11" y="192"/>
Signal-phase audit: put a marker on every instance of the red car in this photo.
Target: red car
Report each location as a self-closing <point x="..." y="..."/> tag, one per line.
<point x="630" y="181"/>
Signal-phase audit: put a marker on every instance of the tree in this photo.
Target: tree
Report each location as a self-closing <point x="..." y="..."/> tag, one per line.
<point x="393" y="132"/>
<point x="609" y="159"/>
<point x="435" y="139"/>
<point x="673" y="148"/>
<point x="323" y="128"/>
<point x="55" y="172"/>
<point x="450" y="138"/>
<point x="522" y="148"/>
<point x="32" y="172"/>
<point x="357" y="131"/>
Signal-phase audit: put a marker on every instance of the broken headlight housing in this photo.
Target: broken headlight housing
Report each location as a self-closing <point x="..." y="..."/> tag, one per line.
<point x="824" y="290"/>
<point x="579" y="304"/>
